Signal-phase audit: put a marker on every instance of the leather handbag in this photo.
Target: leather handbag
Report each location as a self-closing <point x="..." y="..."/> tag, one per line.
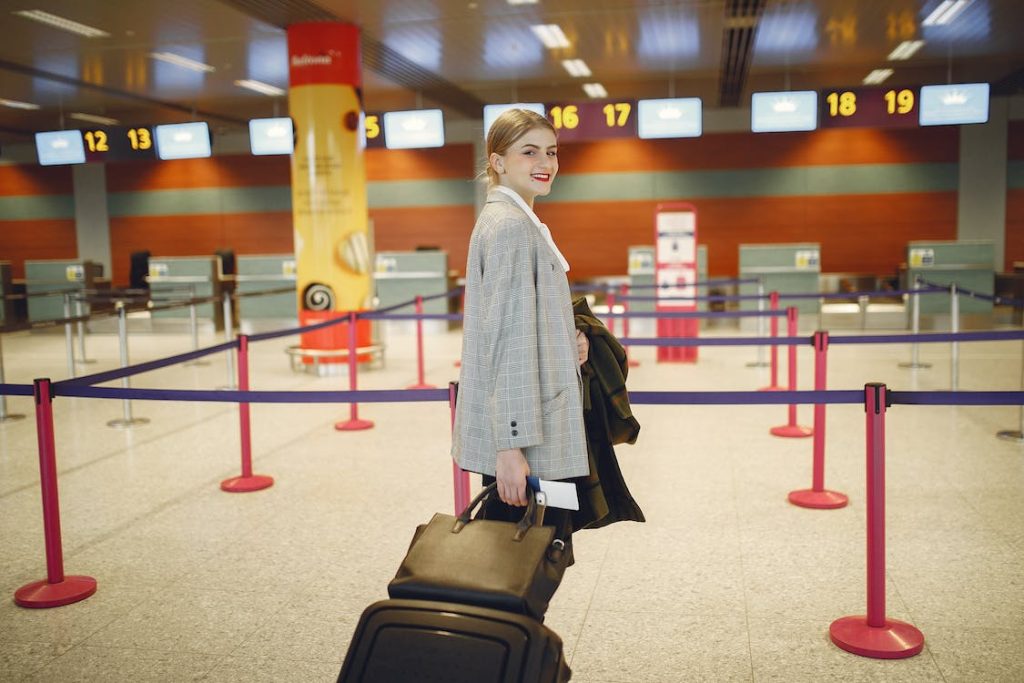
<point x="511" y="566"/>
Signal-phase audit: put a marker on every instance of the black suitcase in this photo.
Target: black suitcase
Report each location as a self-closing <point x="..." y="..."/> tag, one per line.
<point x="399" y="641"/>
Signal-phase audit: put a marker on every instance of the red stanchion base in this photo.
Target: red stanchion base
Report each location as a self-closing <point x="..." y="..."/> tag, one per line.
<point x="256" y="482"/>
<point x="353" y="425"/>
<point x="458" y="363"/>
<point x="818" y="500"/>
<point x="42" y="594"/>
<point x="773" y="387"/>
<point x="791" y="431"/>
<point x="634" y="363"/>
<point x="421" y="386"/>
<point x="895" y="640"/>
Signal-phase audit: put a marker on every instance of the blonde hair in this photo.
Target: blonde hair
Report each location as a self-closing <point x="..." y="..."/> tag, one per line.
<point x="511" y="125"/>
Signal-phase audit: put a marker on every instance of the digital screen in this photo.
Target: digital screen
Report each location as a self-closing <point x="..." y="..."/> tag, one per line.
<point x="60" y="147"/>
<point x="118" y="143"/>
<point x="592" y="120"/>
<point x="493" y="111"/>
<point x="183" y="140"/>
<point x="271" y="136"/>
<point x="946" y="105"/>
<point x="679" y="117"/>
<point x="777" y="112"/>
<point x="869" y="107"/>
<point x="414" y="129"/>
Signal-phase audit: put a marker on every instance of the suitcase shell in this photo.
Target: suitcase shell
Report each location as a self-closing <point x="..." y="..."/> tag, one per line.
<point x="398" y="641"/>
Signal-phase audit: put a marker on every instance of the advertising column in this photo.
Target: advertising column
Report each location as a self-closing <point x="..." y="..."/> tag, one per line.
<point x="675" y="272"/>
<point x="332" y="259"/>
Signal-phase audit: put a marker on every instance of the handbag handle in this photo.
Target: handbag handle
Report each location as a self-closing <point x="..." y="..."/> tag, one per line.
<point x="522" y="526"/>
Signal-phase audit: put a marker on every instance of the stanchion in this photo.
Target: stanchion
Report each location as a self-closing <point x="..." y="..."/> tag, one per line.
<point x="817" y="497"/>
<point x="773" y="300"/>
<point x="1016" y="435"/>
<point x="460" y="477"/>
<point x="462" y="309"/>
<point x="791" y="429"/>
<point x="229" y="335"/>
<point x="57" y="589"/>
<point x="193" y="323"/>
<point x="625" y="325"/>
<point x="915" y="326"/>
<point x="760" y="362"/>
<point x="4" y="415"/>
<point x="80" y="329"/>
<point x="954" y="347"/>
<point x="122" y="334"/>
<point x="421" y="382"/>
<point x="874" y="635"/>
<point x="68" y="340"/>
<point x="248" y="481"/>
<point x="353" y="423"/>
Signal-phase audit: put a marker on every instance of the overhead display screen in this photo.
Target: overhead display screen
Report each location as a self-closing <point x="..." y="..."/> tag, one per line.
<point x="60" y="147"/>
<point x="414" y="129"/>
<point x="869" y="107"/>
<point x="593" y="120"/>
<point x="271" y="136"/>
<point x="493" y="111"/>
<point x="183" y="140"/>
<point x="118" y="143"/>
<point x="777" y="112"/>
<point x="678" y="117"/>
<point x="946" y="105"/>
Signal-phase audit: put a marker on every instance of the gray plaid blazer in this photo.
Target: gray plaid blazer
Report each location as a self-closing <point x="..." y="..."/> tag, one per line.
<point x="519" y="386"/>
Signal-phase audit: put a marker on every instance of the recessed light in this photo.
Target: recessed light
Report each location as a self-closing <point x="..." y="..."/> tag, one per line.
<point x="594" y="90"/>
<point x="16" y="104"/>
<point x="522" y="2"/>
<point x="93" y="118"/>
<point x="877" y="76"/>
<point x="260" y="87"/>
<point x="945" y="12"/>
<point x="551" y="35"/>
<point x="183" y="62"/>
<point x="906" y="50"/>
<point x="61" y="23"/>
<point x="576" y="67"/>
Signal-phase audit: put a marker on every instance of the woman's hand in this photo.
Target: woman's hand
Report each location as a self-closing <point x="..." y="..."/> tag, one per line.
<point x="511" y="470"/>
<point x="582" y="346"/>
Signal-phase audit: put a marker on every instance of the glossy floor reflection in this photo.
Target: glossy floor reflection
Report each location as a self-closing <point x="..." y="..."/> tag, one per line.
<point x="726" y="581"/>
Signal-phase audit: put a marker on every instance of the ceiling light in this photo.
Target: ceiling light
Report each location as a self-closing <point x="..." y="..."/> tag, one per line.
<point x="906" y="49"/>
<point x="877" y="76"/>
<point x="93" y="118"/>
<point x="522" y="2"/>
<point x="594" y="90"/>
<point x="183" y="62"/>
<point x="62" y="23"/>
<point x="15" y="104"/>
<point x="576" y="67"/>
<point x="551" y="35"/>
<point x="945" y="12"/>
<point x="260" y="87"/>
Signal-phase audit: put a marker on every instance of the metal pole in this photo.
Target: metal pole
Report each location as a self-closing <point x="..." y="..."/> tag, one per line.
<point x="760" y="362"/>
<point x="229" y="332"/>
<point x="68" y="341"/>
<point x="4" y="415"/>
<point x="954" y="322"/>
<point x="122" y="334"/>
<point x="915" y="326"/>
<point x="1006" y="434"/>
<point x="193" y="321"/>
<point x="80" y="327"/>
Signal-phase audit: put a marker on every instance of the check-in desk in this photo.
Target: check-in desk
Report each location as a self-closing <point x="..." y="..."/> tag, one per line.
<point x="970" y="264"/>
<point x="179" y="278"/>
<point x="7" y="314"/>
<point x="641" y="277"/>
<point x="262" y="274"/>
<point x="401" y="276"/>
<point x="782" y="268"/>
<point x="55" y="276"/>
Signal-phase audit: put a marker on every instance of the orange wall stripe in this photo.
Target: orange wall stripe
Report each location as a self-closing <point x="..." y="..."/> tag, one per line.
<point x="30" y="240"/>
<point x="24" y="179"/>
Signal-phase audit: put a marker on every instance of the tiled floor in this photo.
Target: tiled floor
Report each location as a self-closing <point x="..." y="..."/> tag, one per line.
<point x="726" y="581"/>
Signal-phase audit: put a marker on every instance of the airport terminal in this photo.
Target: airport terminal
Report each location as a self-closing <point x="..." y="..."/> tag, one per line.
<point x="242" y="295"/>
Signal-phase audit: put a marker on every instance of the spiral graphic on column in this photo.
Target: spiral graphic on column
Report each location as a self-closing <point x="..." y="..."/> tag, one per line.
<point x="318" y="297"/>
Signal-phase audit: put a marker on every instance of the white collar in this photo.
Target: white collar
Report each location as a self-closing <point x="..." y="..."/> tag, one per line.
<point x="544" y="231"/>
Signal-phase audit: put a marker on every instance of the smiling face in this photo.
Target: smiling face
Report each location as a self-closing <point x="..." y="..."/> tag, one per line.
<point x="529" y="166"/>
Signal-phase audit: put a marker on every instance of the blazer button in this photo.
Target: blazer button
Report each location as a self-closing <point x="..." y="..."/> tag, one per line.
<point x="513" y="423"/>
<point x="515" y="433"/>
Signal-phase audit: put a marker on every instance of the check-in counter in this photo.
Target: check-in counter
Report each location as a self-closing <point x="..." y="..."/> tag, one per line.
<point x="178" y="278"/>
<point x="7" y="316"/>
<point x="401" y="276"/>
<point x="266" y="273"/>
<point x="55" y="276"/>
<point x="782" y="268"/>
<point x="970" y="264"/>
<point x="641" y="277"/>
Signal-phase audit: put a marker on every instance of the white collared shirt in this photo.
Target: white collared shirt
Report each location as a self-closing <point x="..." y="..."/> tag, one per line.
<point x="536" y="221"/>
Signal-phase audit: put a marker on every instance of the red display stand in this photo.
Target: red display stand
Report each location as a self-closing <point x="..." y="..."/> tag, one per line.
<point x="333" y="337"/>
<point x="675" y="272"/>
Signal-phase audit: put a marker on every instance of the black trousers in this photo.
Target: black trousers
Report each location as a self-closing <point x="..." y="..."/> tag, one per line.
<point x="559" y="518"/>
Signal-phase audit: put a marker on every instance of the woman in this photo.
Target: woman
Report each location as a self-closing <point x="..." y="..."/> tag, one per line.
<point x="519" y="410"/>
